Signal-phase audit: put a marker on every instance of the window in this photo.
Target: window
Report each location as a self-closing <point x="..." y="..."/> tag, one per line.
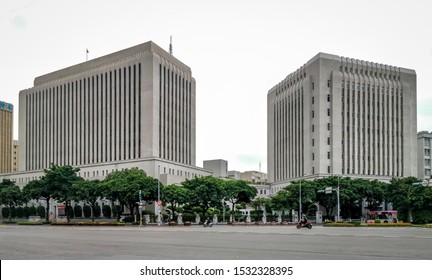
<point x="328" y="126"/>
<point x="313" y="86"/>
<point x="328" y="112"/>
<point x="328" y="140"/>
<point x="313" y="142"/>
<point x="313" y="128"/>
<point x="313" y="114"/>
<point x="328" y="97"/>
<point x="313" y="100"/>
<point x="328" y="155"/>
<point x="328" y="83"/>
<point x="313" y="156"/>
<point x="328" y="169"/>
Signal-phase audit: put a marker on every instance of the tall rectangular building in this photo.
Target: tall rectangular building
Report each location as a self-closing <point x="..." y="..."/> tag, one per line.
<point x="424" y="143"/>
<point x="6" y="136"/>
<point x="131" y="108"/>
<point x="345" y="117"/>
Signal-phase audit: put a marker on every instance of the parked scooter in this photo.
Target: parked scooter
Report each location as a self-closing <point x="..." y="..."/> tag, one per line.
<point x="208" y="223"/>
<point x="301" y="224"/>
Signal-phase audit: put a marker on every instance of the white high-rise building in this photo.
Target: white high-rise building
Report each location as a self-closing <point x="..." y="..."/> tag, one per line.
<point x="131" y="108"/>
<point x="345" y="117"/>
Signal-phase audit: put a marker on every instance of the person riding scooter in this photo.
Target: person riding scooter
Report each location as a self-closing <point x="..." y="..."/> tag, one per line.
<point x="208" y="223"/>
<point x="304" y="219"/>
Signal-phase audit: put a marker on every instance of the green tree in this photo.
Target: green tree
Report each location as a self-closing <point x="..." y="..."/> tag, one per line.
<point x="175" y="195"/>
<point x="11" y="195"/>
<point x="351" y="196"/>
<point x="39" y="190"/>
<point x="61" y="180"/>
<point x="89" y="192"/>
<point x="238" y="191"/>
<point x="205" y="192"/>
<point x="405" y="197"/>
<point x="373" y="193"/>
<point x="125" y="186"/>
<point x="328" y="201"/>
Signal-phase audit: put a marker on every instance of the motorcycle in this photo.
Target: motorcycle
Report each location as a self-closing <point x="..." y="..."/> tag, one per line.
<point x="301" y="224"/>
<point x="207" y="223"/>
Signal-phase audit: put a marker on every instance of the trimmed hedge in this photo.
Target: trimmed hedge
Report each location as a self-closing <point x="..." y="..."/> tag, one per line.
<point x="356" y="224"/>
<point x="89" y="224"/>
<point x="31" y="223"/>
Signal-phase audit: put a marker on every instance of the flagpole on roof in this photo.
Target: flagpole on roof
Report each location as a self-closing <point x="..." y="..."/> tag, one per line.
<point x="87" y="52"/>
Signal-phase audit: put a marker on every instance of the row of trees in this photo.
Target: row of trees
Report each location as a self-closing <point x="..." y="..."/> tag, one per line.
<point x="206" y="195"/>
<point x="412" y="202"/>
<point x="122" y="189"/>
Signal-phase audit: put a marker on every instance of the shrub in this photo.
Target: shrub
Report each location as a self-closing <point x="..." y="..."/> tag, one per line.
<point x="129" y="219"/>
<point x="338" y="224"/>
<point x="106" y="210"/>
<point x="78" y="211"/>
<point x="377" y="221"/>
<point x="422" y="216"/>
<point x="188" y="217"/>
<point x="26" y="212"/>
<point x="19" y="212"/>
<point x="87" y="211"/>
<point x="32" y="211"/>
<point x="70" y="211"/>
<point x="5" y="212"/>
<point x="31" y="223"/>
<point x="97" y="210"/>
<point x="40" y="210"/>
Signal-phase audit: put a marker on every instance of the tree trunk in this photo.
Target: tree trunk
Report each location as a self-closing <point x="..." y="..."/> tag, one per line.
<point x="47" y="209"/>
<point x="92" y="211"/>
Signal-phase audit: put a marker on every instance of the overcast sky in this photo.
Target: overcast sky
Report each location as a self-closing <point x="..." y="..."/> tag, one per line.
<point x="237" y="51"/>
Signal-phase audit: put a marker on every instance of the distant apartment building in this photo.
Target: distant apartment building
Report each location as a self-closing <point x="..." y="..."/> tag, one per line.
<point x="219" y="167"/>
<point x="255" y="177"/>
<point x="232" y="174"/>
<point x="131" y="108"/>
<point x="6" y="136"/>
<point x="345" y="117"/>
<point x="424" y="142"/>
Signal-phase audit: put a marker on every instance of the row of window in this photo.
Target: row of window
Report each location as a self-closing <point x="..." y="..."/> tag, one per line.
<point x="175" y="116"/>
<point x="90" y="120"/>
<point x="370" y="73"/>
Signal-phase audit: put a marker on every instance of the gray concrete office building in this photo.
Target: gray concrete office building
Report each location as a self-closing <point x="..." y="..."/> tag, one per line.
<point x="345" y="117"/>
<point x="131" y="108"/>
<point x="424" y="143"/>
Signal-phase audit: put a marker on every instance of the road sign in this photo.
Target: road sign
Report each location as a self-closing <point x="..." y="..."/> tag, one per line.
<point x="328" y="190"/>
<point x="159" y="202"/>
<point x="425" y="183"/>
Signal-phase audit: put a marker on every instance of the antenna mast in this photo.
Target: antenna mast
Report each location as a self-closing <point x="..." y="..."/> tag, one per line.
<point x="170" y="46"/>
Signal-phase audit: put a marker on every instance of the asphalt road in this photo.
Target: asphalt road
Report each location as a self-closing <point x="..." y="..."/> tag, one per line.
<point x="216" y="243"/>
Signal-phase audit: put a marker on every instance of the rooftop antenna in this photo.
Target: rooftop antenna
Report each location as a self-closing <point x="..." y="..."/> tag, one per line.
<point x="170" y="46"/>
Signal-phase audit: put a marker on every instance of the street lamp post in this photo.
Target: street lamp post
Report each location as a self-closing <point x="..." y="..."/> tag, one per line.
<point x="140" y="206"/>
<point x="300" y="203"/>
<point x="338" y="202"/>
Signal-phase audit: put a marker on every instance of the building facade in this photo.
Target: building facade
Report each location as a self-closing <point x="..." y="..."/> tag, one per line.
<point x="424" y="142"/>
<point x="131" y="108"/>
<point x="219" y="167"/>
<point x="6" y="136"/>
<point x="345" y="117"/>
<point x="255" y="177"/>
